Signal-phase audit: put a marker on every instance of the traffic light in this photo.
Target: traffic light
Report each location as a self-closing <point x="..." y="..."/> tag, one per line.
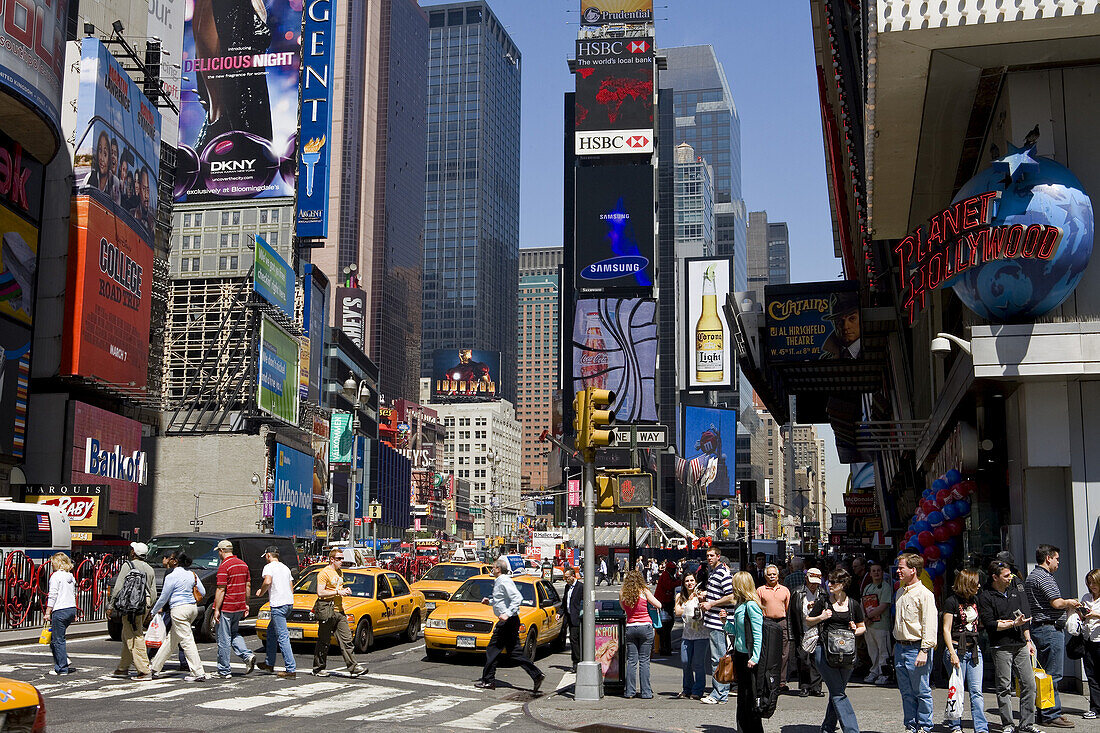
<point x="598" y="417"/>
<point x="605" y="494"/>
<point x="580" y="420"/>
<point x="634" y="491"/>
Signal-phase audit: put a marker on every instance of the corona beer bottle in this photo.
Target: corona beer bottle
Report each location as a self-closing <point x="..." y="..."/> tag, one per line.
<point x="709" y="336"/>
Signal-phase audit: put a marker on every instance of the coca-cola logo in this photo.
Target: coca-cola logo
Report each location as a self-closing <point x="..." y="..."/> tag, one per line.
<point x="593" y="358"/>
<point x="77" y="508"/>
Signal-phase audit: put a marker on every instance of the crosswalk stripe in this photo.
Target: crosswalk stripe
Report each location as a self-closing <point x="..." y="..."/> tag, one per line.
<point x="117" y="691"/>
<point x="275" y="696"/>
<point x="421" y="681"/>
<point x="338" y="704"/>
<point x="182" y="692"/>
<point x="416" y="709"/>
<point x="75" y="660"/>
<point x="484" y="719"/>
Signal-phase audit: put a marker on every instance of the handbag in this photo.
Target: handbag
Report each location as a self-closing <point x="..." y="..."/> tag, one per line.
<point x="725" y="672"/>
<point x="809" y="640"/>
<point x="46" y="636"/>
<point x="1075" y="647"/>
<point x="840" y="648"/>
<point x="655" y="617"/>
<point x="195" y="589"/>
<point x="1044" y="689"/>
<point x="953" y="711"/>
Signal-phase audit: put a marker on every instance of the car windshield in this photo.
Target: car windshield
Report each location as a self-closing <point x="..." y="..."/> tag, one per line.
<point x="453" y="573"/>
<point x="360" y="584"/>
<point x="202" y="550"/>
<point x="474" y="589"/>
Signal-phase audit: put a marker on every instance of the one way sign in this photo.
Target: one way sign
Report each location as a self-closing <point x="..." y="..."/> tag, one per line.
<point x="644" y="436"/>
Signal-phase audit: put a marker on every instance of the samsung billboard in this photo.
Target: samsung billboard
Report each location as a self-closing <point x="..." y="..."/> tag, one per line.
<point x="614" y="227"/>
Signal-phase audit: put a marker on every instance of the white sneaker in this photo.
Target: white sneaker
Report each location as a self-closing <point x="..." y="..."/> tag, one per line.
<point x="194" y="678"/>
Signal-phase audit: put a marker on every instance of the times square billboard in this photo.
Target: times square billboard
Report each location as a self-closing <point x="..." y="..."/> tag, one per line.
<point x="614" y="227"/>
<point x="605" y="12"/>
<point x="465" y="375"/>
<point x="613" y="106"/>
<point x="239" y="108"/>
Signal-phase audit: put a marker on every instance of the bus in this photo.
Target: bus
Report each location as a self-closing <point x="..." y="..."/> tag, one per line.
<point x="36" y="530"/>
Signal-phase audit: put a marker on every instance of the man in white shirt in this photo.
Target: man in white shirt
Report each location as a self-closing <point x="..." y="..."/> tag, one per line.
<point x="506" y="601"/>
<point x="277" y="584"/>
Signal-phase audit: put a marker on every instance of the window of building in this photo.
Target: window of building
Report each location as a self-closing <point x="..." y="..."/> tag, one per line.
<point x="198" y="220"/>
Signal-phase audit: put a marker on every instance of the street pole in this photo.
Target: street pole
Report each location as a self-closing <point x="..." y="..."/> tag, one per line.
<point x="589" y="685"/>
<point x="351" y="477"/>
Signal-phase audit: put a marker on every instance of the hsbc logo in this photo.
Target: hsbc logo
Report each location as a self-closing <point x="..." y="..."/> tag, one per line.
<point x="614" y="141"/>
<point x="639" y="46"/>
<point x="614" y="51"/>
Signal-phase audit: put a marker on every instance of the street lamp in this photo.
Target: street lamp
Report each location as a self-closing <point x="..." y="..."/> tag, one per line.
<point x="353" y="391"/>
<point x="494" y="463"/>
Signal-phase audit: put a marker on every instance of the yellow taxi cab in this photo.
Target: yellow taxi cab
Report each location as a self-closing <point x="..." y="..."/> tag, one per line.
<point x="444" y="579"/>
<point x="465" y="624"/>
<point x="21" y="707"/>
<point x="381" y="603"/>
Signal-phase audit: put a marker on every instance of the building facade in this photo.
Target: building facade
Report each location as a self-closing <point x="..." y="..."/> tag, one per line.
<point x="471" y="217"/>
<point x="769" y="253"/>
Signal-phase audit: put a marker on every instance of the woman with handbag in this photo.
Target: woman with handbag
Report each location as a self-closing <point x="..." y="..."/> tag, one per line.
<point x="181" y="592"/>
<point x="60" y="610"/>
<point x="745" y="624"/>
<point x="1090" y="633"/>
<point x="960" y="636"/>
<point x="839" y="621"/>
<point x="694" y="640"/>
<point x="635" y="599"/>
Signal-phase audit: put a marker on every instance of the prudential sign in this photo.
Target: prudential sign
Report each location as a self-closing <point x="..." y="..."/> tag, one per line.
<point x="316" y="118"/>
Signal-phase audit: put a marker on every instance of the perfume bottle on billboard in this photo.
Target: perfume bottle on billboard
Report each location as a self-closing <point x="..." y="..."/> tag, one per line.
<point x="594" y="355"/>
<point x="709" y="337"/>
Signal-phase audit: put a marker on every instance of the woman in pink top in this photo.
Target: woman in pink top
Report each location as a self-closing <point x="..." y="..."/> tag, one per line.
<point x="636" y="599"/>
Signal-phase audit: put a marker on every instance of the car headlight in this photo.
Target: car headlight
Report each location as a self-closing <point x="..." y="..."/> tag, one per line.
<point x="436" y="623"/>
<point x="264" y="615"/>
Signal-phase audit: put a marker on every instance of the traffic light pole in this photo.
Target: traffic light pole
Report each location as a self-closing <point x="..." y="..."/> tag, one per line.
<point x="589" y="684"/>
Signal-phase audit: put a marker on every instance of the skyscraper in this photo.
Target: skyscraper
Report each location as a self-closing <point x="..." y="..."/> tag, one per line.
<point x="471" y="220"/>
<point x="769" y="255"/>
<point x="539" y="298"/>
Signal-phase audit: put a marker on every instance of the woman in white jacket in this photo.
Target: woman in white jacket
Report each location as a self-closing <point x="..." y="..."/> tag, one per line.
<point x="61" y="610"/>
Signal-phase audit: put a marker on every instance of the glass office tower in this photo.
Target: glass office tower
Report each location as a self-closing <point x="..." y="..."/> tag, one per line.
<point x="471" y="220"/>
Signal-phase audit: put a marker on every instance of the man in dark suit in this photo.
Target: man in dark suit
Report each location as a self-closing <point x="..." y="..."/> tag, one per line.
<point x="573" y="602"/>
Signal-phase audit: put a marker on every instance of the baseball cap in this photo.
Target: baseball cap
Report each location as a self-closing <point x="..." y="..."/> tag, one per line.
<point x="813" y="573"/>
<point x="225" y="545"/>
<point x="140" y="548"/>
<point x="271" y="550"/>
<point x="1006" y="557"/>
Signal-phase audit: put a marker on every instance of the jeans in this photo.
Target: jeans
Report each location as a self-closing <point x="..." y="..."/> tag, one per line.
<point x="278" y="638"/>
<point x="229" y="638"/>
<point x="973" y="666"/>
<point x="693" y="657"/>
<point x="1092" y="670"/>
<point x="1007" y="660"/>
<point x="59" y="624"/>
<point x="1050" y="644"/>
<point x="840" y="707"/>
<point x="914" y="685"/>
<point x="719" y="690"/>
<point x="639" y="648"/>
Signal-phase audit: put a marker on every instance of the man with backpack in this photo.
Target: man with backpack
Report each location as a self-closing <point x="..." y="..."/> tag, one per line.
<point x="131" y="599"/>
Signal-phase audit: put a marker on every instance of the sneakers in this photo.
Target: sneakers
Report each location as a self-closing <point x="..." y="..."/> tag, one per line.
<point x="882" y="680"/>
<point x="357" y="671"/>
<point x="224" y="675"/>
<point x="195" y="678"/>
<point x="870" y="679"/>
<point x="264" y="667"/>
<point x="121" y="673"/>
<point x="1091" y="715"/>
<point x="708" y="700"/>
<point x="250" y="665"/>
<point x="485" y="685"/>
<point x="321" y="673"/>
<point x="286" y="675"/>
<point x="142" y="678"/>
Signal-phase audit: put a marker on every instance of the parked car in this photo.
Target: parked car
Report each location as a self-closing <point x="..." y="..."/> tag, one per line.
<point x="202" y="548"/>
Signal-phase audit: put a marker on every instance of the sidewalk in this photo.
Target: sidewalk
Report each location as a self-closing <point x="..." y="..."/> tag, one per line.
<point x="877" y="708"/>
<point x="76" y="631"/>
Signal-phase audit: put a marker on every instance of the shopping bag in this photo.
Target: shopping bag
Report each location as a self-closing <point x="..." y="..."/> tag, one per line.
<point x="954" y="710"/>
<point x="1044" y="689"/>
<point x="46" y="636"/>
<point x="155" y="635"/>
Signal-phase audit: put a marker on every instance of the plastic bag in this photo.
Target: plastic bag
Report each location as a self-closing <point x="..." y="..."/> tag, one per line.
<point x="46" y="636"/>
<point x="155" y="635"/>
<point x="954" y="709"/>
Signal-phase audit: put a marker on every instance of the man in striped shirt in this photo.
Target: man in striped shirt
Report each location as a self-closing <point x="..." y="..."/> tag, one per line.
<point x="1047" y="611"/>
<point x="719" y="593"/>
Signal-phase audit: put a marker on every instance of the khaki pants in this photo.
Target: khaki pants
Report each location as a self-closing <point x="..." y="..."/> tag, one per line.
<point x="182" y="617"/>
<point x="133" y="646"/>
<point x="329" y="621"/>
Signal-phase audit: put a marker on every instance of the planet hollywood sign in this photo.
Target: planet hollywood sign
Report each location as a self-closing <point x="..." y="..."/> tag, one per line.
<point x="962" y="237"/>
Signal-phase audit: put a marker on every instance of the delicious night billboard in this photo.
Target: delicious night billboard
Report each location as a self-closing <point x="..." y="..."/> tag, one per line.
<point x="708" y="343"/>
<point x="239" y="112"/>
<point x="465" y="375"/>
<point x="117" y="160"/>
<point x="615" y="347"/>
<point x="32" y="54"/>
<point x="107" y="298"/>
<point x="316" y="118"/>
<point x="813" y="321"/>
<point x="277" y="388"/>
<point x="614" y="227"/>
<point x="627" y="12"/>
<point x="709" y="444"/>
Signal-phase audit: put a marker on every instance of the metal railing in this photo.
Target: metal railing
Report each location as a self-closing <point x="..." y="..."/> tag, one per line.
<point x="24" y="588"/>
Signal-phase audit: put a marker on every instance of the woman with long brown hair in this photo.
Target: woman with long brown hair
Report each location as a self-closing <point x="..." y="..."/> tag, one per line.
<point x="694" y="640"/>
<point x="960" y="637"/>
<point x="635" y="599"/>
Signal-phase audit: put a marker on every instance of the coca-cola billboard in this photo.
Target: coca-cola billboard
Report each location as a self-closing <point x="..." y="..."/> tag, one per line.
<point x="615" y="347"/>
<point x="84" y="504"/>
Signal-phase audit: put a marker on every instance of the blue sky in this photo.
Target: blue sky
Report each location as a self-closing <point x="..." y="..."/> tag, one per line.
<point x="767" y="52"/>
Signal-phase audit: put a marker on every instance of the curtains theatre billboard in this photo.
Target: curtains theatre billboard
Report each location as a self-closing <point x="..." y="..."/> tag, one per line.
<point x="614" y="227"/>
<point x="613" y="110"/>
<point x="813" y="321"/>
<point x="239" y="110"/>
<point x="615" y="347"/>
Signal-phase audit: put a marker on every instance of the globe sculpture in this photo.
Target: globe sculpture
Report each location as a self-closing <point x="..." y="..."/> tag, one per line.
<point x="1034" y="190"/>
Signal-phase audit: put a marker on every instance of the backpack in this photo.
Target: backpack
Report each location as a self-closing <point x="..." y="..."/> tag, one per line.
<point x="132" y="599"/>
<point x="840" y="647"/>
<point x="766" y="674"/>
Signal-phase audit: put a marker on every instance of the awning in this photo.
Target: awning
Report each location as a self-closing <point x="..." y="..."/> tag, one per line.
<point x="608" y="536"/>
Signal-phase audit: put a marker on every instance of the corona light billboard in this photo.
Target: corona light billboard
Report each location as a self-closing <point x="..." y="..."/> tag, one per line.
<point x="708" y="347"/>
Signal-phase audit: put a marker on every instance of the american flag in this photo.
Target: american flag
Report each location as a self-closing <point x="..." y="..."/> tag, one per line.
<point x="697" y="467"/>
<point x="43" y="522"/>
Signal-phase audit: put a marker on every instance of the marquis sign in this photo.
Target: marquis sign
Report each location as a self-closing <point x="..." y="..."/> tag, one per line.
<point x="1013" y="244"/>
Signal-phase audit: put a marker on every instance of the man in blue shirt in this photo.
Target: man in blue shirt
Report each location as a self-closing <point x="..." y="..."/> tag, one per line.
<point x="505" y="602"/>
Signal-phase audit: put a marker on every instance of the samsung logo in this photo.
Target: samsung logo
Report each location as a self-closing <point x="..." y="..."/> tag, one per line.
<point x="614" y="267"/>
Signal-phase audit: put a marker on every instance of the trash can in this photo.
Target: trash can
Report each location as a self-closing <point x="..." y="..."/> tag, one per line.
<point x="611" y="643"/>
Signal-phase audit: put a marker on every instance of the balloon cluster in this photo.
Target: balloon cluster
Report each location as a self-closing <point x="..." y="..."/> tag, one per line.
<point x="940" y="519"/>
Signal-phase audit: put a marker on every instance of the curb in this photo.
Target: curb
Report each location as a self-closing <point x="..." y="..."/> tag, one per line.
<point x="76" y="631"/>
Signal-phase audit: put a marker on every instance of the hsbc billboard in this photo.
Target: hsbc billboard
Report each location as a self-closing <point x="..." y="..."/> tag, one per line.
<point x="613" y="141"/>
<point x="614" y="101"/>
<point x="614" y="51"/>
